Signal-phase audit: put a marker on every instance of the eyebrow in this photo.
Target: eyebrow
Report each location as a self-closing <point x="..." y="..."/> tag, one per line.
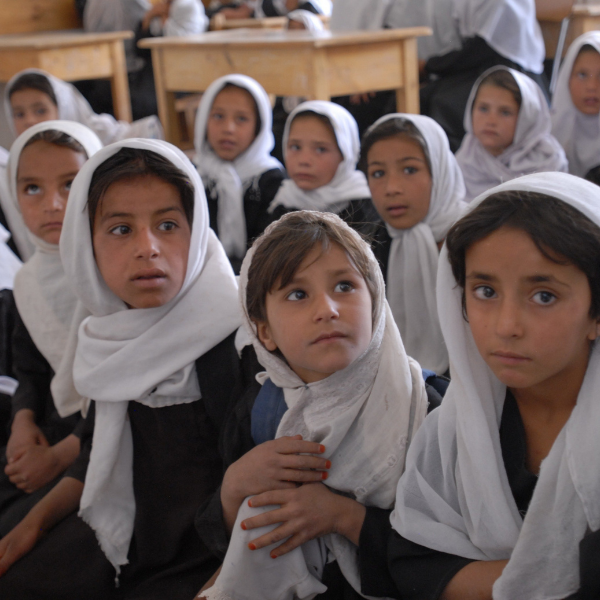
<point x="528" y="279"/>
<point x="406" y="158"/>
<point x="33" y="178"/>
<point x="337" y="273"/>
<point x="125" y="215"/>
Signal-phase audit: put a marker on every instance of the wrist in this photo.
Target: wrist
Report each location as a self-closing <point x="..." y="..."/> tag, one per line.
<point x="350" y="518"/>
<point x="25" y="416"/>
<point x="66" y="451"/>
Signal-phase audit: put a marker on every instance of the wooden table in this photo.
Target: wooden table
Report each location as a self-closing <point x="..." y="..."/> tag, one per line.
<point x="72" y="56"/>
<point x="219" y="22"/>
<point x="289" y="63"/>
<point x="583" y="18"/>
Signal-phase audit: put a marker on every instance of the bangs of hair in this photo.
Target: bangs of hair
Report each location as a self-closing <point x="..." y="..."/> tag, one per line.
<point x="308" y="114"/>
<point x="33" y="81"/>
<point x="504" y="80"/>
<point x="57" y="138"/>
<point x="256" y="111"/>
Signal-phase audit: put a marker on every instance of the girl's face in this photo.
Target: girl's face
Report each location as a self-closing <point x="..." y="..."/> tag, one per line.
<point x="495" y="114"/>
<point x="231" y="124"/>
<point x="44" y="179"/>
<point x="584" y="83"/>
<point x="30" y="107"/>
<point x="529" y="315"/>
<point x="322" y="320"/>
<point x="400" y="181"/>
<point x="141" y="241"/>
<point x="312" y="154"/>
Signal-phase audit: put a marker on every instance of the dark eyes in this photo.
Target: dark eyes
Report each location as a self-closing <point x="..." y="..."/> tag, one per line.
<point x="484" y="292"/>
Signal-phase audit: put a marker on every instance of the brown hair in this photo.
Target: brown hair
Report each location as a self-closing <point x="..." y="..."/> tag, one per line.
<point x="283" y="247"/>
<point x="586" y="48"/>
<point x="58" y="138"/>
<point x="229" y="85"/>
<point x="502" y="79"/>
<point x="129" y="163"/>
<point x="315" y="115"/>
<point x="33" y="81"/>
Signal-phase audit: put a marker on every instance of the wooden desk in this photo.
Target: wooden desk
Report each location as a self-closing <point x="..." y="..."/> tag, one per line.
<point x="219" y="22"/>
<point x="584" y="18"/>
<point x="289" y="63"/>
<point x="72" y="57"/>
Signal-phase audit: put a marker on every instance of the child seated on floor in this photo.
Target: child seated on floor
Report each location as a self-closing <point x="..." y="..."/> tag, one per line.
<point x="418" y="190"/>
<point x="336" y="375"/>
<point x="576" y="104"/>
<point x="233" y="141"/>
<point x="507" y="121"/>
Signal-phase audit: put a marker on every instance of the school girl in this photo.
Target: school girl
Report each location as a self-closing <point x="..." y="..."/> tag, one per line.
<point x="338" y="376"/>
<point x="45" y="426"/>
<point x="508" y="132"/>
<point x="279" y="8"/>
<point x="500" y="493"/>
<point x="418" y="191"/>
<point x="158" y="358"/>
<point x="233" y="141"/>
<point x="175" y="18"/>
<point x="576" y="104"/>
<point x="321" y="148"/>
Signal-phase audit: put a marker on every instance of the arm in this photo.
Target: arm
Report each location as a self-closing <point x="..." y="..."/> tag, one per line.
<point x="475" y="581"/>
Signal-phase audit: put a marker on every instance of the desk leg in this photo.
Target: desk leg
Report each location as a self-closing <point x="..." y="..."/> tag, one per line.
<point x="119" y="82"/>
<point x="320" y="83"/>
<point x="164" y="99"/>
<point x="407" y="97"/>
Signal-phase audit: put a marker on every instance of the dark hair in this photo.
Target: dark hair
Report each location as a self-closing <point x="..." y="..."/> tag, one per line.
<point x="323" y="118"/>
<point x="283" y="247"/>
<point x="33" y="81"/>
<point x="503" y="79"/>
<point x="256" y="111"/>
<point x="593" y="175"/>
<point x="560" y="232"/>
<point x="586" y="48"/>
<point x="396" y="127"/>
<point x="58" y="138"/>
<point x="130" y="163"/>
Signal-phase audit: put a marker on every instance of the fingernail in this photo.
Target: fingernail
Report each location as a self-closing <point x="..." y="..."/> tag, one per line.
<point x="328" y="464"/>
<point x="243" y="525"/>
<point x="324" y="475"/>
<point x="250" y="503"/>
<point x="321" y="448"/>
<point x="252" y="546"/>
<point x="273" y="556"/>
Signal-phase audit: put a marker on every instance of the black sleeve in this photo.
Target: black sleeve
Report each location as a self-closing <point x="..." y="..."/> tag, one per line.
<point x="257" y="202"/>
<point x="85" y="432"/>
<point x="589" y="561"/>
<point x="362" y="216"/>
<point x="474" y="53"/>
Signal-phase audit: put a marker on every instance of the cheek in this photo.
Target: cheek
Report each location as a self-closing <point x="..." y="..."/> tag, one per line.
<point x="330" y="168"/>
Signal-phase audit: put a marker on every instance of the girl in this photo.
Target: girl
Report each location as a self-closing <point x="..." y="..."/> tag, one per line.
<point x="233" y="142"/>
<point x="336" y="374"/>
<point x="276" y="8"/>
<point x="508" y="132"/>
<point x="158" y="358"/>
<point x="321" y="148"/>
<point x="500" y="487"/>
<point x="418" y="190"/>
<point x="45" y="427"/>
<point x="175" y="18"/>
<point x="576" y="104"/>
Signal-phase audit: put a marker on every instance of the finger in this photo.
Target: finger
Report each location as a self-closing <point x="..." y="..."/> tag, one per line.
<point x="290" y="544"/>
<point x="304" y="461"/>
<point x="279" y="534"/>
<point x="273" y="497"/>
<point x="303" y="476"/>
<point x="294" y="446"/>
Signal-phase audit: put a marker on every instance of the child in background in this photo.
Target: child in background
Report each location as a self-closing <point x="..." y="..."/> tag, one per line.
<point x="278" y="8"/>
<point x="175" y="18"/>
<point x="45" y="426"/>
<point x="233" y="141"/>
<point x="576" y="104"/>
<point x="418" y="190"/>
<point x="508" y="132"/>
<point x="157" y="355"/>
<point x="304" y="19"/>
<point x="501" y="490"/>
<point x="321" y="148"/>
<point x="337" y="375"/>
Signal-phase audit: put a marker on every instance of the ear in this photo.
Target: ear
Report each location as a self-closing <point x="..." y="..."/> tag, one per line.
<point x="263" y="331"/>
<point x="595" y="331"/>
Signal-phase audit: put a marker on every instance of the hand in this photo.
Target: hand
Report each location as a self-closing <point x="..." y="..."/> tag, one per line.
<point x="305" y="513"/>
<point x="158" y="10"/>
<point x="361" y="98"/>
<point x="18" y="542"/>
<point x="24" y="434"/>
<point x="275" y="465"/>
<point x="34" y="468"/>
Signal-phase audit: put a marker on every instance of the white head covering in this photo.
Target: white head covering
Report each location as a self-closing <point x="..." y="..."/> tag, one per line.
<point x="43" y="296"/>
<point x="578" y="133"/>
<point x="186" y="17"/>
<point x="143" y="355"/>
<point x="365" y="415"/>
<point x="232" y="178"/>
<point x="534" y="148"/>
<point x="323" y="7"/>
<point x="72" y="106"/>
<point x="347" y="183"/>
<point x="454" y="495"/>
<point x="310" y="21"/>
<point x="413" y="259"/>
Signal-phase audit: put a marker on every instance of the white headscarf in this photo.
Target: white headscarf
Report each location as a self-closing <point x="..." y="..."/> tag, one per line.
<point x="143" y="355"/>
<point x="365" y="415"/>
<point x="72" y="106"/>
<point x="454" y="495"/>
<point x="347" y="183"/>
<point x="534" y="148"/>
<point x="43" y="296"/>
<point x="323" y="7"/>
<point x="232" y="178"/>
<point x="578" y="133"/>
<point x="186" y="17"/>
<point x="413" y="259"/>
<point x="310" y="21"/>
<point x="9" y="263"/>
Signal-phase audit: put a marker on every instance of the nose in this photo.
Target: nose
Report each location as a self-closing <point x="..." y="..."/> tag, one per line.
<point x="229" y="125"/>
<point x="55" y="202"/>
<point x="326" y="308"/>
<point x="393" y="184"/>
<point x="509" y="322"/>
<point x="146" y="244"/>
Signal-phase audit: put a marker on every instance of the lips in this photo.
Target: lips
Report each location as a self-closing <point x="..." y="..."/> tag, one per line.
<point x="148" y="278"/>
<point x="331" y="336"/>
<point x="52" y="225"/>
<point x="397" y="210"/>
<point x="510" y="358"/>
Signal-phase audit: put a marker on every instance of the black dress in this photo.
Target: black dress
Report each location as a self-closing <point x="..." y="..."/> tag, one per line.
<point x="177" y="466"/>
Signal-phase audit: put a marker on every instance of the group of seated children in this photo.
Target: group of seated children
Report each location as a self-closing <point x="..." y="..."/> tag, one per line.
<point x="181" y="432"/>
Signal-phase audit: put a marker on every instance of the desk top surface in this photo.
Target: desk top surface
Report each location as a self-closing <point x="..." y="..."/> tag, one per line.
<point x="586" y="10"/>
<point x="57" y="39"/>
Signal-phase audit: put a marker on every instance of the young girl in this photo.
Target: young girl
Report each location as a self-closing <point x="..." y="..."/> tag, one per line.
<point x="276" y="8"/>
<point x="418" y="190"/>
<point x="233" y="142"/>
<point x="576" y="104"/>
<point x="45" y="427"/>
<point x="321" y="148"/>
<point x="508" y="132"/>
<point x="175" y="18"/>
<point x="157" y="356"/>
<point x="500" y="487"/>
<point x="336" y="374"/>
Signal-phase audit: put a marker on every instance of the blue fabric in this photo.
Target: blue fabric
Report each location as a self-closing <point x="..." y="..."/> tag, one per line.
<point x="427" y="374"/>
<point x="267" y="412"/>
